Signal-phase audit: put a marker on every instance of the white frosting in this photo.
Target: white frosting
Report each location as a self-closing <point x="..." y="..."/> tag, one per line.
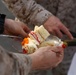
<point x="31" y="46"/>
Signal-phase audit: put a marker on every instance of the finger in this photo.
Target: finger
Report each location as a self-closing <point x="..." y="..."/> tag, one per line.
<point x="52" y="32"/>
<point x="23" y="33"/>
<point x="57" y="49"/>
<point x="27" y="29"/>
<point x="61" y="52"/>
<point x="66" y="31"/>
<point x="58" y="33"/>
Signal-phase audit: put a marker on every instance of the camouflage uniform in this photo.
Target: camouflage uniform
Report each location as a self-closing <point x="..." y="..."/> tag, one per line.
<point x="14" y="63"/>
<point x="36" y="12"/>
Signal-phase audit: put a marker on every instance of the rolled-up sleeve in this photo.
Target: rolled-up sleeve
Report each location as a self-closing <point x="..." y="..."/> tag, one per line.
<point x="28" y="11"/>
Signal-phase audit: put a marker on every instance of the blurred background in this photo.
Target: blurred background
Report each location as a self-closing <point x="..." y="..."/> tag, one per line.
<point x="8" y="43"/>
<point x="4" y="10"/>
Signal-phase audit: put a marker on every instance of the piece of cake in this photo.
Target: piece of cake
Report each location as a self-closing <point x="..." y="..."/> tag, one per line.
<point x="42" y="32"/>
<point x="29" y="45"/>
<point x="38" y="38"/>
<point x="39" y="33"/>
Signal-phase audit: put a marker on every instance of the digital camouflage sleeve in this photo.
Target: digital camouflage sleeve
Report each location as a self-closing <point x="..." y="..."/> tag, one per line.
<point x="28" y="11"/>
<point x="14" y="63"/>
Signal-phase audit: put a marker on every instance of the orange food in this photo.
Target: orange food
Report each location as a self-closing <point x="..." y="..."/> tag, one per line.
<point x="25" y="41"/>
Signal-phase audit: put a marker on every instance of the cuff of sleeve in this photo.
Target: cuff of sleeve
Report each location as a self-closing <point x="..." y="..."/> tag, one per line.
<point x="40" y="16"/>
<point x="2" y="20"/>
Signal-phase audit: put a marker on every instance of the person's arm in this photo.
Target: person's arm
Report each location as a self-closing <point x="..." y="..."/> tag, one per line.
<point x="21" y="64"/>
<point x="46" y="57"/>
<point x="12" y="27"/>
<point x="28" y="11"/>
<point x="14" y="64"/>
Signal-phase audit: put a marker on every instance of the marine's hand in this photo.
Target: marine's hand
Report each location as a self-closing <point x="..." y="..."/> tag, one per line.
<point x="55" y="26"/>
<point x="46" y="57"/>
<point x="12" y="27"/>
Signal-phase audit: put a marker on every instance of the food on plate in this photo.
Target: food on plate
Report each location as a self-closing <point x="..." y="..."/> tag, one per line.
<point x="39" y="34"/>
<point x="36" y="39"/>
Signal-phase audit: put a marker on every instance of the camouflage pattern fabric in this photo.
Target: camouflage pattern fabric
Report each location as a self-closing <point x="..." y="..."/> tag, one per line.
<point x="14" y="63"/>
<point x="36" y="12"/>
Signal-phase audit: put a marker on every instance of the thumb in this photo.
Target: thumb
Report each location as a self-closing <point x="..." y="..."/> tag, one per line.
<point x="23" y="34"/>
<point x="57" y="49"/>
<point x="27" y="29"/>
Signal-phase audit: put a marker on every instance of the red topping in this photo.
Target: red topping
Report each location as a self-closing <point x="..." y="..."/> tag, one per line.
<point x="34" y="35"/>
<point x="25" y="51"/>
<point x="63" y="46"/>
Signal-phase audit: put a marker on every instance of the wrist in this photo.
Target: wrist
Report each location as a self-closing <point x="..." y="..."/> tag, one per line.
<point x="33" y="61"/>
<point x="6" y="22"/>
<point x="36" y="61"/>
<point x="2" y="21"/>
